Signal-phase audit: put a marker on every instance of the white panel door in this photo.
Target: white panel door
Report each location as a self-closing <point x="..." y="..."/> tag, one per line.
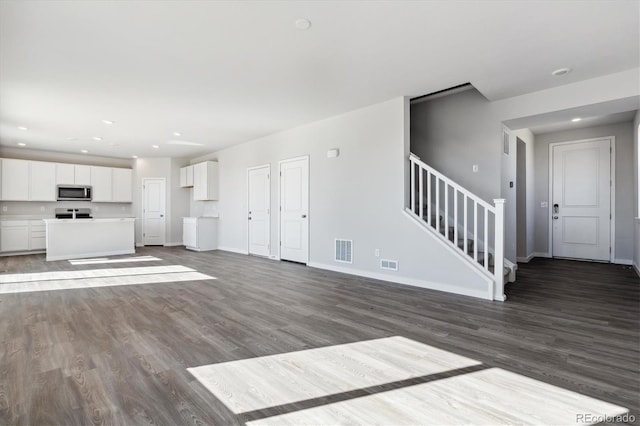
<point x="43" y="181"/>
<point x="153" y="211"/>
<point x="294" y="210"/>
<point x="581" y="200"/>
<point x="259" y="214"/>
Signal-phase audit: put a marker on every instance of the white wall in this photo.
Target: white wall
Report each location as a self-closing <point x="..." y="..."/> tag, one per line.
<point x="358" y="195"/>
<point x="636" y="190"/>
<point x="624" y="207"/>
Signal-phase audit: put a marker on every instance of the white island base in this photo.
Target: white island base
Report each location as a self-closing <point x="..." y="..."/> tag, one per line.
<point x="82" y="238"/>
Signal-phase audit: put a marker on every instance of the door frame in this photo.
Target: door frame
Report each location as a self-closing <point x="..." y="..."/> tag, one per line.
<point x="249" y="169"/>
<point x="302" y="157"/>
<point x="612" y="200"/>
<point x="143" y="220"/>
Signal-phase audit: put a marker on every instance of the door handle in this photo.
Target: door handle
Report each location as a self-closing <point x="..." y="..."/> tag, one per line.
<point x="249" y="217"/>
<point x="161" y="215"/>
<point x="304" y="216"/>
<point x="555" y="217"/>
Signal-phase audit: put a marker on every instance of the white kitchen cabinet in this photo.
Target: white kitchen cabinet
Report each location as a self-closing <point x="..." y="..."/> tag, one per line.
<point x="42" y="179"/>
<point x="65" y="174"/>
<point x="186" y="177"/>
<point x="102" y="184"/>
<point x="14" y="235"/>
<point x="37" y="235"/>
<point x="82" y="174"/>
<point x="205" y="181"/>
<point x="122" y="185"/>
<point x="200" y="233"/>
<point x="15" y="180"/>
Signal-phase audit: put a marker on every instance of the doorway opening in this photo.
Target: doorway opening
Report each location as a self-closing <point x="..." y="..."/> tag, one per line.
<point x="294" y="209"/>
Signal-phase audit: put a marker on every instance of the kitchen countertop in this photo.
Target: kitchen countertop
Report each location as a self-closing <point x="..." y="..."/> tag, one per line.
<point x="95" y="219"/>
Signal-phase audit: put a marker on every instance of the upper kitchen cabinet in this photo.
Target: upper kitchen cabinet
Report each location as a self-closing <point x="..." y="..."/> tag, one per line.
<point x="65" y="174"/>
<point x="82" y="174"/>
<point x="42" y="179"/>
<point x="186" y="177"/>
<point x="73" y="174"/>
<point x="15" y="180"/>
<point x="205" y="181"/>
<point x="122" y="185"/>
<point x="102" y="184"/>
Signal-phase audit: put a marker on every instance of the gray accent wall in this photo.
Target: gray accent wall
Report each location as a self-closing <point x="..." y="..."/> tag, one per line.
<point x="624" y="205"/>
<point x="360" y="195"/>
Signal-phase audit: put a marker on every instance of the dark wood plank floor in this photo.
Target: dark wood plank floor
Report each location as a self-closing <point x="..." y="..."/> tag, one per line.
<point x="118" y="355"/>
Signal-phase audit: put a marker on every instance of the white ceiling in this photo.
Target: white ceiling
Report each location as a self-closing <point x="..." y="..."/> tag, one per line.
<point x="224" y="72"/>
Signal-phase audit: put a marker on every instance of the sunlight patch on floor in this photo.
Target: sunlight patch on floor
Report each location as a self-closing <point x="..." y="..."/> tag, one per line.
<point x="66" y="280"/>
<point x="492" y="396"/>
<point x="257" y="383"/>
<point x="99" y="260"/>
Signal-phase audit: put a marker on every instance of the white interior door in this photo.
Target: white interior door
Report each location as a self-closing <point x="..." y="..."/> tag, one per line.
<point x="294" y="210"/>
<point x="259" y="214"/>
<point x="153" y="211"/>
<point x="581" y="200"/>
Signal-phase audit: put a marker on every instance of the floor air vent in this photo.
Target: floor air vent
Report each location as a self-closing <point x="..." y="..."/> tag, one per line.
<point x="344" y="251"/>
<point x="389" y="265"/>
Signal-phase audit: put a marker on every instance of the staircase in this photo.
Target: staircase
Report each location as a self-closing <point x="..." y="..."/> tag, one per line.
<point x="462" y="220"/>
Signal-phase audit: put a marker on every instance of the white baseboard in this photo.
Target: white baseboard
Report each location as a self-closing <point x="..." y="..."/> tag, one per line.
<point x="139" y="245"/>
<point x="22" y="253"/>
<point x="173" y="244"/>
<point x="482" y="294"/>
<point x="94" y="254"/>
<point x="623" y="262"/>
<point x="635" y="266"/>
<point x="234" y="250"/>
<point x="526" y="259"/>
<point x="541" y="254"/>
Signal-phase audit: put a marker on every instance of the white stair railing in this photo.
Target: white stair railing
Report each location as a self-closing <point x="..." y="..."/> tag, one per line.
<point x="469" y="222"/>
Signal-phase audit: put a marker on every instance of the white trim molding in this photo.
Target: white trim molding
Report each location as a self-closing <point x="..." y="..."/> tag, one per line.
<point x="234" y="250"/>
<point x="526" y="259"/>
<point x="173" y="244"/>
<point x="482" y="294"/>
<point x="623" y="262"/>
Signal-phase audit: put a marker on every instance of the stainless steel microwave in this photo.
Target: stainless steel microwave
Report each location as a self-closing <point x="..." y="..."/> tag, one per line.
<point x="74" y="193"/>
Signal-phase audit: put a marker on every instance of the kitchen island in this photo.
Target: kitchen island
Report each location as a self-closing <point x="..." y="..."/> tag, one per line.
<point x="81" y="238"/>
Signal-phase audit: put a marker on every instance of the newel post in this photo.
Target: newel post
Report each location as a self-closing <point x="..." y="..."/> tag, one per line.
<point x="498" y="269"/>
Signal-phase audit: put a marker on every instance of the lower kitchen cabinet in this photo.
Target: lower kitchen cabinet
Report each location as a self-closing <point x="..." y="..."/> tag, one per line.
<point x="200" y="233"/>
<point x="22" y="235"/>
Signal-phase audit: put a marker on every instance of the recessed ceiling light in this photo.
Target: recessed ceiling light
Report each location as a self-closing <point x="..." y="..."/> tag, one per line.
<point x="97" y="138"/>
<point x="22" y="144"/>
<point x="155" y="146"/>
<point x="575" y="120"/>
<point x="134" y="156"/>
<point x="84" y="151"/>
<point x="561" y="71"/>
<point x="22" y="128"/>
<point x="107" y="121"/>
<point x="303" y="24"/>
<point x="178" y="134"/>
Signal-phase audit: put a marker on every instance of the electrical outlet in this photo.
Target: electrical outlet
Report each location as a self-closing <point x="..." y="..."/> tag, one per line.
<point x="41" y="208"/>
<point x="4" y="208"/>
<point x="475" y="168"/>
<point x="376" y="253"/>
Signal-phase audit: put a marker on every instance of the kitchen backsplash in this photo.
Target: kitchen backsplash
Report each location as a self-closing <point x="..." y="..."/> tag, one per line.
<point x="204" y="208"/>
<point x="35" y="208"/>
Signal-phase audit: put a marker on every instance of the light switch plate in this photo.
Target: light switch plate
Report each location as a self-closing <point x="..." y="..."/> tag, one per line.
<point x="475" y="168"/>
<point x="544" y="204"/>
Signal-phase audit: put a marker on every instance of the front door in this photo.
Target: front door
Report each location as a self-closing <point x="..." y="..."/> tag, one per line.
<point x="294" y="209"/>
<point x="153" y="211"/>
<point x="259" y="214"/>
<point x="581" y="199"/>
